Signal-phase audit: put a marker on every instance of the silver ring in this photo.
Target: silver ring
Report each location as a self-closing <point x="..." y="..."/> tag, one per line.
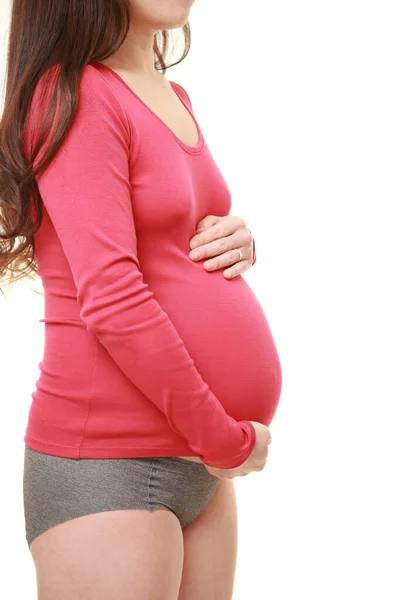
<point x="240" y="254"/>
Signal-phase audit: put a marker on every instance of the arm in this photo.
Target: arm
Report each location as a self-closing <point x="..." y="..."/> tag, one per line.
<point x="87" y="193"/>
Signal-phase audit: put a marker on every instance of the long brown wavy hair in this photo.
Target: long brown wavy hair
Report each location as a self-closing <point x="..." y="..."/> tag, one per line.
<point x="68" y="34"/>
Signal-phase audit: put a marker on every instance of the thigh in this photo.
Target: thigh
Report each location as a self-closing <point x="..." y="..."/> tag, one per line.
<point x="95" y="532"/>
<point x="116" y="555"/>
<point x="210" y="548"/>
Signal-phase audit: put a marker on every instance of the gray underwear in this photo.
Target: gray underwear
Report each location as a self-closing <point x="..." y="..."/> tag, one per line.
<point x="57" y="489"/>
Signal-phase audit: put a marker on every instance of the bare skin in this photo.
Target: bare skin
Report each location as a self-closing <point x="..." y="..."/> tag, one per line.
<point x="210" y="546"/>
<point x="135" y="554"/>
<point x="113" y="555"/>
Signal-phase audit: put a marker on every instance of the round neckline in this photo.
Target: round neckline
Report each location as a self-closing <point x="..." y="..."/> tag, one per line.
<point x="191" y="149"/>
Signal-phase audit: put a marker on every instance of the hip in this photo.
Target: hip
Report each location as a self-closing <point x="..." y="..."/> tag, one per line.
<point x="57" y="489"/>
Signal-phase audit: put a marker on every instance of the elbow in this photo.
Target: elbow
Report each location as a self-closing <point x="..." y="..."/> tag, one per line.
<point x="115" y="305"/>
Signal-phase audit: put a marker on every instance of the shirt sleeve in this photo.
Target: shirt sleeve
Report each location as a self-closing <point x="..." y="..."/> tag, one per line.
<point x="86" y="191"/>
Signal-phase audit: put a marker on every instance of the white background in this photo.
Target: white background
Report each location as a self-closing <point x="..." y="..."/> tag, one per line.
<point x="300" y="105"/>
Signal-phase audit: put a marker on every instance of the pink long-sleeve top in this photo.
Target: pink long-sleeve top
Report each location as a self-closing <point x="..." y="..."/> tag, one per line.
<point x="146" y="353"/>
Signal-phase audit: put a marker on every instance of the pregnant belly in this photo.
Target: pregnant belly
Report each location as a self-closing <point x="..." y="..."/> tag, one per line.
<point x="227" y="334"/>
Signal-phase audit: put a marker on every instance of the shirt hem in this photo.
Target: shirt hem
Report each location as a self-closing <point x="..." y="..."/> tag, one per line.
<point x="129" y="451"/>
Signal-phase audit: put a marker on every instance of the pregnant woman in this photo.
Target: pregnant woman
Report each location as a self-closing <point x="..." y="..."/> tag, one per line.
<point x="160" y="375"/>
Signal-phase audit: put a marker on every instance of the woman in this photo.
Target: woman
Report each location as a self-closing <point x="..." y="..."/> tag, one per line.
<point x="130" y="455"/>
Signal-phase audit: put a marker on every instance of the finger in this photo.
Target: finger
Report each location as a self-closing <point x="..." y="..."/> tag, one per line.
<point x="231" y="473"/>
<point x="228" y="259"/>
<point x="208" y="221"/>
<point x="241" y="266"/>
<point x="224" y="227"/>
<point x="226" y="475"/>
<point x="220" y="246"/>
<point x="262" y="467"/>
<point x="213" y="470"/>
<point x="220" y="473"/>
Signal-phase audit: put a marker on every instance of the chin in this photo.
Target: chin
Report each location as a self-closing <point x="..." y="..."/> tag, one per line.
<point x="162" y="14"/>
<point x="174" y="23"/>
